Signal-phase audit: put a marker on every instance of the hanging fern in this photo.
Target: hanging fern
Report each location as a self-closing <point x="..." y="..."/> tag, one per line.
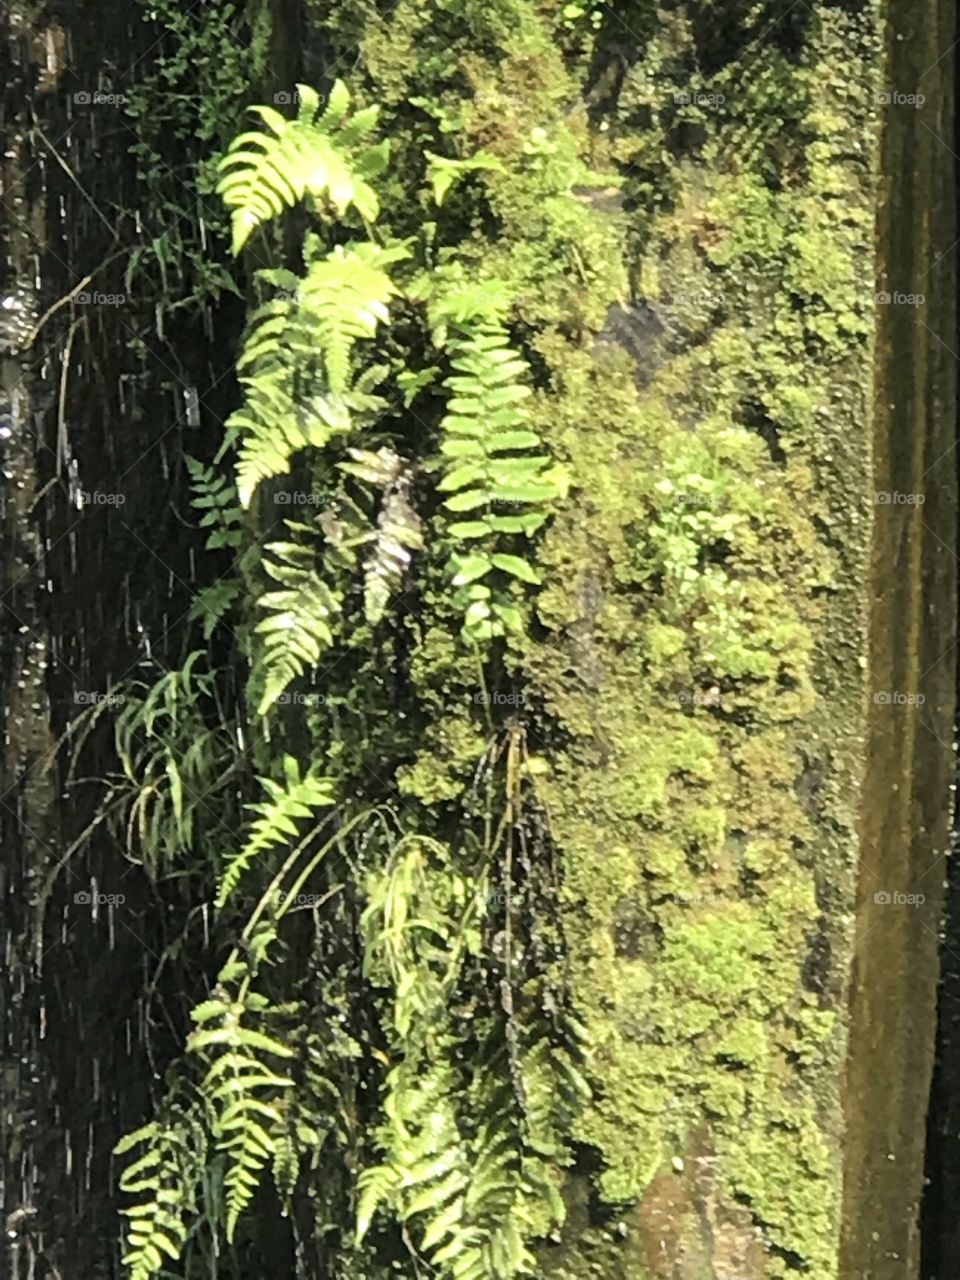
<point x="278" y="815"/>
<point x="301" y="615"/>
<point x="318" y="154"/>
<point x="164" y="1179"/>
<point x="216" y="498"/>
<point x="466" y="1158"/>
<point x="398" y="531"/>
<point x="486" y="446"/>
<point x="243" y="1086"/>
<point x="296" y="366"/>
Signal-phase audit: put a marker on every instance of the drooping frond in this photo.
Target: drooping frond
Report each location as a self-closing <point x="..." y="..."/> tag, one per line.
<point x="398" y="531"/>
<point x="164" y="1179"/>
<point x="297" y="361"/>
<point x="243" y="1086"/>
<point x="285" y="806"/>
<point x="300" y="619"/>
<point x="469" y="1149"/>
<point x="317" y="154"/>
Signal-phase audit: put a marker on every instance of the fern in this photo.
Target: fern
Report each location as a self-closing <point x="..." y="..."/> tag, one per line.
<point x="442" y="172"/>
<point x="277" y="819"/>
<point x="489" y="465"/>
<point x="216" y="497"/>
<point x="213" y="603"/>
<point x="296" y="364"/>
<point x="301" y="615"/>
<point x="398" y="530"/>
<point x="243" y="1086"/>
<point x="164" y="1178"/>
<point x="317" y="155"/>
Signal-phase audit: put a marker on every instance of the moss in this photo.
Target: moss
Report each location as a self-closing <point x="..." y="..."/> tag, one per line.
<point x="676" y="671"/>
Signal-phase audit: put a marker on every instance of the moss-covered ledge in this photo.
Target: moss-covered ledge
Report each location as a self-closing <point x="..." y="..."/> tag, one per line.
<point x="701" y="676"/>
<point x="708" y="654"/>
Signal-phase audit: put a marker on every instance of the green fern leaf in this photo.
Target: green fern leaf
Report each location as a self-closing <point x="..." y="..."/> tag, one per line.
<point x="300" y="621"/>
<point x="488" y="465"/>
<point x="277" y="822"/>
<point x="314" y="155"/>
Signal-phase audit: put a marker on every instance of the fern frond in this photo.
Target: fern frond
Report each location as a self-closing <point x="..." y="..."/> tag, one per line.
<point x="164" y="1179"/>
<point x="317" y="154"/>
<point x="277" y="818"/>
<point x="245" y="1091"/>
<point x="296" y="363"/>
<point x="342" y="299"/>
<point x="443" y="172"/>
<point x="213" y="603"/>
<point x="398" y="532"/>
<point x="489" y="467"/>
<point x="216" y="498"/>
<point x="301" y="615"/>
